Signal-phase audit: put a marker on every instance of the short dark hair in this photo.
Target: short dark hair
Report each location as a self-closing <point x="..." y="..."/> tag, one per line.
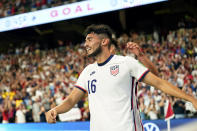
<point x="99" y="29"/>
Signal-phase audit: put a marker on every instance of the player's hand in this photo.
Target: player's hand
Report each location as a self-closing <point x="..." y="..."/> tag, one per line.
<point x="51" y="116"/>
<point x="194" y="102"/>
<point x="134" y="48"/>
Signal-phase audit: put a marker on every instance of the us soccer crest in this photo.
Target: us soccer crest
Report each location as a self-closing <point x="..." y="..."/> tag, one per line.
<point x="114" y="70"/>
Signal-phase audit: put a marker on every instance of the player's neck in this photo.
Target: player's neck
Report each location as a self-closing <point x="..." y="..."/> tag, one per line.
<point x="103" y="57"/>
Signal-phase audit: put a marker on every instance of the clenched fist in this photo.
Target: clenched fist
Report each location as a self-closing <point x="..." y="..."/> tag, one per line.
<point x="51" y="116"/>
<point x="134" y="48"/>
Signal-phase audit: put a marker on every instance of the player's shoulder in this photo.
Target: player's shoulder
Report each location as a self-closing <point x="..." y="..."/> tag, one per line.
<point x="89" y="66"/>
<point x="87" y="70"/>
<point x="121" y="58"/>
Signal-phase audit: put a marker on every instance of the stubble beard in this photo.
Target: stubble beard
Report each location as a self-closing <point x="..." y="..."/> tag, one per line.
<point x="96" y="52"/>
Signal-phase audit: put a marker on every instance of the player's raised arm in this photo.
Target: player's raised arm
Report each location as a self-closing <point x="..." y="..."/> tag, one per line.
<point x="168" y="88"/>
<point x="66" y="105"/>
<point x="136" y="49"/>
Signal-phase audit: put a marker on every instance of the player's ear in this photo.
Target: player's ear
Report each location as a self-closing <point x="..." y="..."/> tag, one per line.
<point x="105" y="41"/>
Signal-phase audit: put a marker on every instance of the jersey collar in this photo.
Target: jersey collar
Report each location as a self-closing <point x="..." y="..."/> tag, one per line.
<point x="105" y="62"/>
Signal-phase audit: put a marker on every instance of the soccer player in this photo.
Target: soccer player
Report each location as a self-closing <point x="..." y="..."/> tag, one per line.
<point x="110" y="83"/>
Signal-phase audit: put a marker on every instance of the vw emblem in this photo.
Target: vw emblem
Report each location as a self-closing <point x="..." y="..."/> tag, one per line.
<point x="151" y="127"/>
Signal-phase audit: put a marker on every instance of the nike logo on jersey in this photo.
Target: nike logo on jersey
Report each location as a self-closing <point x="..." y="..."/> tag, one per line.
<point x="114" y="70"/>
<point x="93" y="72"/>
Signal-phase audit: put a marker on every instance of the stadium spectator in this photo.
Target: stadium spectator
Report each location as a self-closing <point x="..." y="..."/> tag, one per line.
<point x="152" y="110"/>
<point x="20" y="114"/>
<point x="42" y="114"/>
<point x="179" y="108"/>
<point x="46" y="101"/>
<point x="5" y="111"/>
<point x="29" y="115"/>
<point x="12" y="113"/>
<point x="161" y="105"/>
<point x="36" y="109"/>
<point x="142" y="108"/>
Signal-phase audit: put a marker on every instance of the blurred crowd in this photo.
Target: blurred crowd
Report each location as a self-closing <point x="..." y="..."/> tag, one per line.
<point x="14" y="7"/>
<point x="32" y="80"/>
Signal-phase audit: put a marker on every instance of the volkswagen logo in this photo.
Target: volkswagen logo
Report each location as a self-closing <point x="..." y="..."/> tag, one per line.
<point x="151" y="127"/>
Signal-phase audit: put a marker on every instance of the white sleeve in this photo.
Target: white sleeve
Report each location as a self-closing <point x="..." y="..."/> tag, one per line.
<point x="17" y="114"/>
<point x="81" y="82"/>
<point x="136" y="69"/>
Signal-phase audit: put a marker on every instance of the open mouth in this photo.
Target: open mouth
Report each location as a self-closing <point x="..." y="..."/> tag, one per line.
<point x="88" y="49"/>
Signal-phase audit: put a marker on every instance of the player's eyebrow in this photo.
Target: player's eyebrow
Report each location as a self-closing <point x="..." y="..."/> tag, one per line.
<point x="88" y="38"/>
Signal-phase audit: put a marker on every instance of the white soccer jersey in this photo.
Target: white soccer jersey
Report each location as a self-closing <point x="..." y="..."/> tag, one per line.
<point x="111" y="88"/>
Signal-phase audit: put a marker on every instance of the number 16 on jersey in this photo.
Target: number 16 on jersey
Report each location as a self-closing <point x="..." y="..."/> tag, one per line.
<point x="91" y="86"/>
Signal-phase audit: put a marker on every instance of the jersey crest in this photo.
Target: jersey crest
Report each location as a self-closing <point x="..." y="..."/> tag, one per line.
<point x="114" y="70"/>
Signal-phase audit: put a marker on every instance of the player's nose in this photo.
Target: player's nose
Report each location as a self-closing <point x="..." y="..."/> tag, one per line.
<point x="86" y="44"/>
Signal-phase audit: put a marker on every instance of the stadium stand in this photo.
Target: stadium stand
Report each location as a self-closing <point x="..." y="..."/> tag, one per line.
<point x="34" y="80"/>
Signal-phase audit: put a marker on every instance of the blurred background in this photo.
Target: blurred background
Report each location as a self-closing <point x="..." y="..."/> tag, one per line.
<point x="42" y="55"/>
